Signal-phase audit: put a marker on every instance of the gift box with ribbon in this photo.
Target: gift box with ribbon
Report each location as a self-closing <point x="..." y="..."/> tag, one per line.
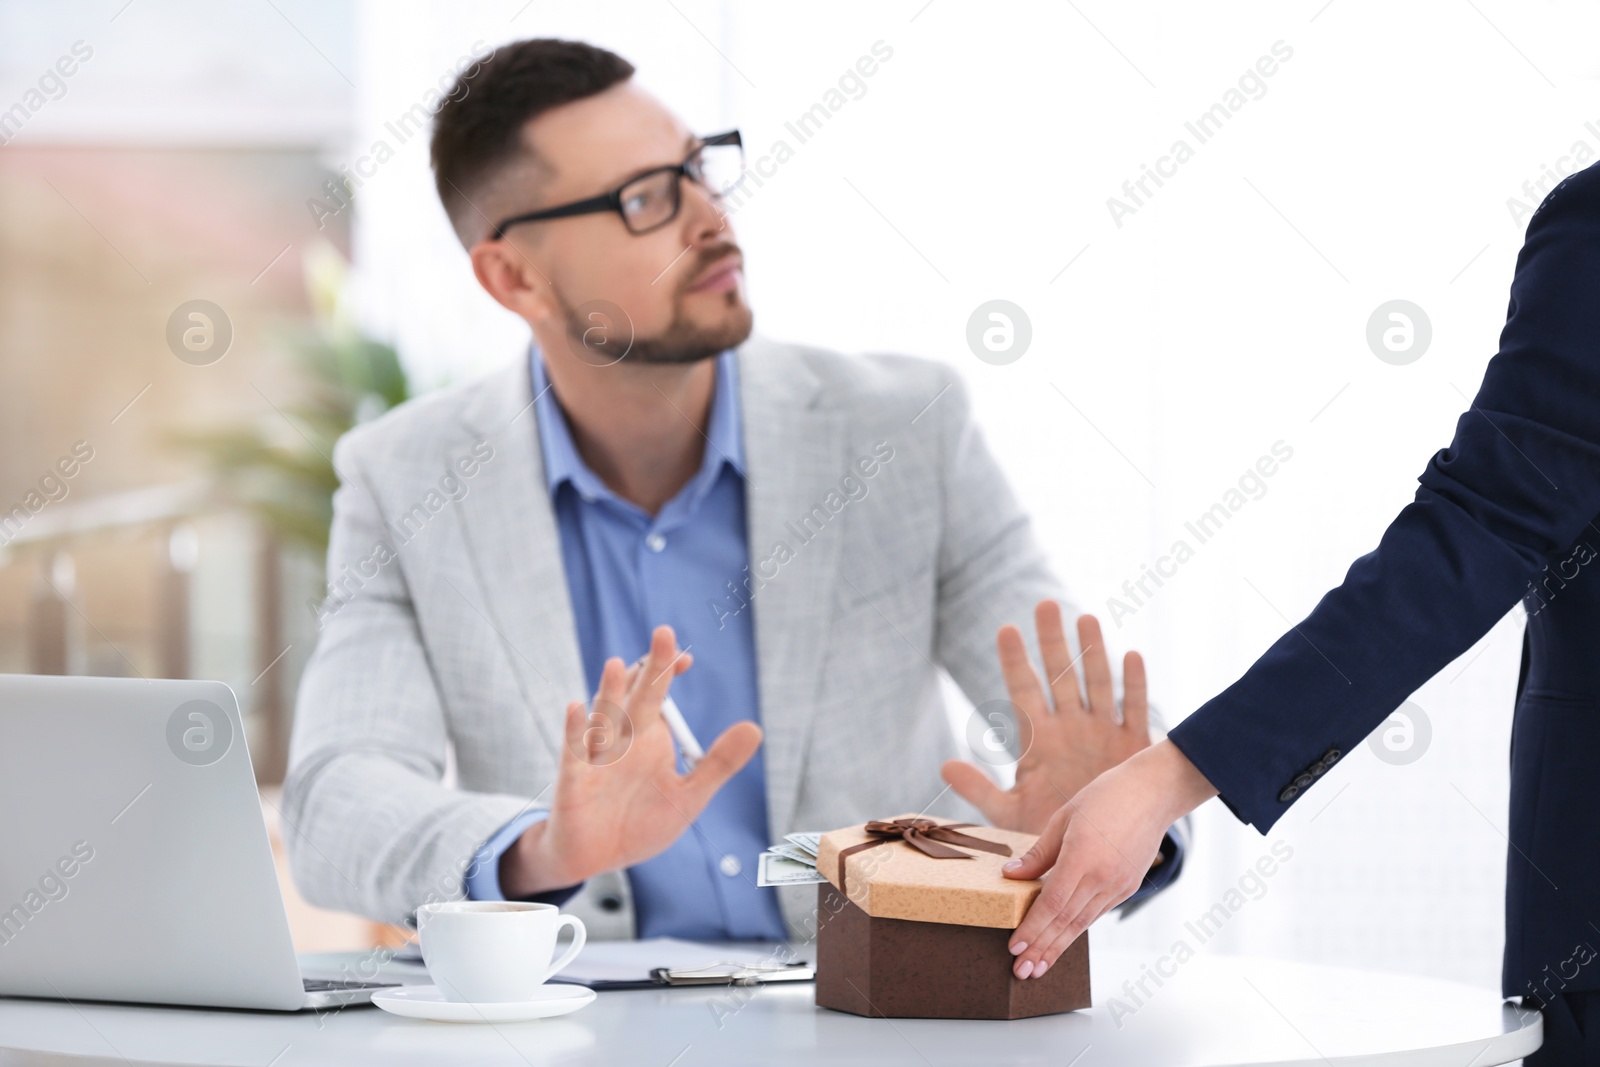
<point x="914" y="922"/>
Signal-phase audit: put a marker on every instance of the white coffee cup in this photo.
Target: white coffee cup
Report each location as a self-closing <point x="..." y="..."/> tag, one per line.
<point x="494" y="952"/>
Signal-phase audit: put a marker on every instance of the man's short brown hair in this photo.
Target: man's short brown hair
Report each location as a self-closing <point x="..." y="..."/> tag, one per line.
<point x="478" y="132"/>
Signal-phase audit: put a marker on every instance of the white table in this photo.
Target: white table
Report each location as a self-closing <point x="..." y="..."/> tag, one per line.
<point x="1215" y="1011"/>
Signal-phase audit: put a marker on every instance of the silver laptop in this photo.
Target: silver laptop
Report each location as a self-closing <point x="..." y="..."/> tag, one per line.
<point x="134" y="862"/>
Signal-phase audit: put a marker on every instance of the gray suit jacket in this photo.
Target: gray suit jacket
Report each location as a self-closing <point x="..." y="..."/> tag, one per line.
<point x="448" y="630"/>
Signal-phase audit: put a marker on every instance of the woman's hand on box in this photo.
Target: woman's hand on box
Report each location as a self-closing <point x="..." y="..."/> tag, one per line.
<point x="1098" y="847"/>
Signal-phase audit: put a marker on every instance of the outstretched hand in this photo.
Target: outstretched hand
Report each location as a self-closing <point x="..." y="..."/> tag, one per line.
<point x="1097" y="848"/>
<point x="1065" y="741"/>
<point x="619" y="798"/>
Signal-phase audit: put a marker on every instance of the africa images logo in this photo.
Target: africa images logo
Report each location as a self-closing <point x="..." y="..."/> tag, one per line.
<point x="199" y="733"/>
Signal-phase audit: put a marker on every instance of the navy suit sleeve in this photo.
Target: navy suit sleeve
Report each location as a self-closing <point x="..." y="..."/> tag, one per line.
<point x="1517" y="486"/>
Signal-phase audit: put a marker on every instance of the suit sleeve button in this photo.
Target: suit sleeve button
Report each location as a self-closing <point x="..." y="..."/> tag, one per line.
<point x="1289" y="793"/>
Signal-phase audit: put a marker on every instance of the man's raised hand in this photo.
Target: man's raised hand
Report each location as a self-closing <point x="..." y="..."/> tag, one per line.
<point x="1065" y="742"/>
<point x="619" y="798"/>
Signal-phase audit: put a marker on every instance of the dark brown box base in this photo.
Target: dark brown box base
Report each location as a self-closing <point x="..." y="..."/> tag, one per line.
<point x="901" y="969"/>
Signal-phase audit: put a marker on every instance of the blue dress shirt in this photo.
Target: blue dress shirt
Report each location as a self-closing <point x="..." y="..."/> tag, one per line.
<point x="628" y="572"/>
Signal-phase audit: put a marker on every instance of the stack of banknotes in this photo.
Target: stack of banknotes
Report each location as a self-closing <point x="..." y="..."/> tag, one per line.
<point x="792" y="861"/>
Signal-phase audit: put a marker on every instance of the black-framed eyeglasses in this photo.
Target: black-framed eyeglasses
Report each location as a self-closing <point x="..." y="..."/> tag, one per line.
<point x="652" y="199"/>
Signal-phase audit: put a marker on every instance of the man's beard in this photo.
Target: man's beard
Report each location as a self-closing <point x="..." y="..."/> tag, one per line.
<point x="600" y="333"/>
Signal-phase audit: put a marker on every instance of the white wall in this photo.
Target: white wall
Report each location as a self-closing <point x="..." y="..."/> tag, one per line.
<point x="1227" y="314"/>
<point x="177" y="72"/>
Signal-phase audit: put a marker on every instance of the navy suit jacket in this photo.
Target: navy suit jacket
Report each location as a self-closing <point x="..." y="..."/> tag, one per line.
<point x="1510" y="510"/>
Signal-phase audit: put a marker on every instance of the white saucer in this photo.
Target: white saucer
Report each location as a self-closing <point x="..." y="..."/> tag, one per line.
<point x="426" y="1002"/>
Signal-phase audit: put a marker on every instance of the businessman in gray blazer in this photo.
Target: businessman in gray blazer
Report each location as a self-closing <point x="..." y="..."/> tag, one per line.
<point x="797" y="542"/>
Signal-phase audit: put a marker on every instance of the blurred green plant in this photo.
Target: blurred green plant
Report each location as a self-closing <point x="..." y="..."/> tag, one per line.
<point x="285" y="475"/>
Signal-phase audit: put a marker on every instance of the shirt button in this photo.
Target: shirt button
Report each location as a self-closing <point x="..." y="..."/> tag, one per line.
<point x="730" y="866"/>
<point x="655" y="542"/>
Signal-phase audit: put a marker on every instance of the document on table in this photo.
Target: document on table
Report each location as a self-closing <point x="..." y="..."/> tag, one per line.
<point x="614" y="964"/>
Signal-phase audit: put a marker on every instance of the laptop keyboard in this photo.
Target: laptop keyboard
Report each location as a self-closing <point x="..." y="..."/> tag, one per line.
<point x="339" y="985"/>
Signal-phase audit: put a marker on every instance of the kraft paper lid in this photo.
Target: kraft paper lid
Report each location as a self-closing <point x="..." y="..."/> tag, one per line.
<point x="895" y="880"/>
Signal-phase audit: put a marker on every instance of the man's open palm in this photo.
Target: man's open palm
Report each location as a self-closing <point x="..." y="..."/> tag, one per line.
<point x="1065" y="742"/>
<point x="619" y="798"/>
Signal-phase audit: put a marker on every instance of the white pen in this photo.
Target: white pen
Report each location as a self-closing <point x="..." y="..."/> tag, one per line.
<point x="692" y="752"/>
<point x="678" y="726"/>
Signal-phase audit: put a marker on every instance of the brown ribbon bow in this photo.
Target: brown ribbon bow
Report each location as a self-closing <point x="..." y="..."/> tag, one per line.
<point x="931" y="838"/>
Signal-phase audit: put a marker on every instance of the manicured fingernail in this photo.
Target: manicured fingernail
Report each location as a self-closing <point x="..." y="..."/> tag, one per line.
<point x="1038" y="972"/>
<point x="1019" y="948"/>
<point x="1026" y="969"/>
<point x="1014" y="865"/>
